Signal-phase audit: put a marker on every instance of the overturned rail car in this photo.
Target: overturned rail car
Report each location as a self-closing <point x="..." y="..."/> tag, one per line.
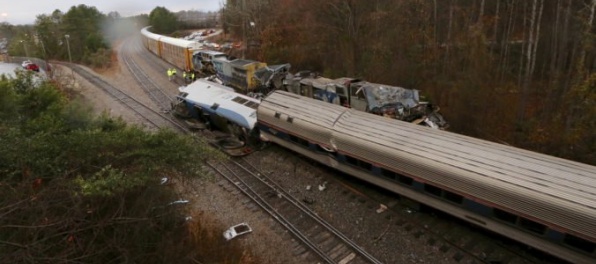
<point x="217" y="107"/>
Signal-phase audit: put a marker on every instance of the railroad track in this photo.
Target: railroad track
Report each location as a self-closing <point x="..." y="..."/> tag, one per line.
<point x="162" y="99"/>
<point x="329" y="244"/>
<point x="152" y="117"/>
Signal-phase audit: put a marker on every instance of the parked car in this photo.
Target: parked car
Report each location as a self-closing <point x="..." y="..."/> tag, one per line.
<point x="29" y="65"/>
<point x="237" y="230"/>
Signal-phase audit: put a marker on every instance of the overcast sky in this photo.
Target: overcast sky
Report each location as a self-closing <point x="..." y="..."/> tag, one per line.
<point x="19" y="12"/>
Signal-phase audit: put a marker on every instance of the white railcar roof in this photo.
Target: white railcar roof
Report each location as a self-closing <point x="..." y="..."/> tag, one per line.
<point x="535" y="185"/>
<point x="209" y="52"/>
<point x="216" y="98"/>
<point x="172" y="41"/>
<point x="145" y="31"/>
<point x="181" y="42"/>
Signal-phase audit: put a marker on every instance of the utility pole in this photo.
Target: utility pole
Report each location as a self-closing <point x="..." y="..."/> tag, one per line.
<point x="69" y="57"/>
<point x="68" y="47"/>
<point x="25" y="47"/>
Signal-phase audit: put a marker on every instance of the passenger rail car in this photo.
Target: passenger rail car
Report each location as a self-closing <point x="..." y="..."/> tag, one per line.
<point x="542" y="201"/>
<point x="220" y="107"/>
<point x="178" y="52"/>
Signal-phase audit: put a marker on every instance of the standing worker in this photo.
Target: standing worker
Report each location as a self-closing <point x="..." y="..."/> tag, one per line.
<point x="185" y="77"/>
<point x="169" y="72"/>
<point x="174" y="73"/>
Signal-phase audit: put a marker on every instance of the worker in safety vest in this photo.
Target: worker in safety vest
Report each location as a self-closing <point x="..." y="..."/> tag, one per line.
<point x="185" y="76"/>
<point x="169" y="72"/>
<point x="192" y="76"/>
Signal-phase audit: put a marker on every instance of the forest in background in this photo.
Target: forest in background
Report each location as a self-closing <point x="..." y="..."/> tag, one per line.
<point x="515" y="72"/>
<point x="509" y="71"/>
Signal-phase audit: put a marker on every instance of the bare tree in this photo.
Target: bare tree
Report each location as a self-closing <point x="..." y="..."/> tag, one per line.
<point x="533" y="35"/>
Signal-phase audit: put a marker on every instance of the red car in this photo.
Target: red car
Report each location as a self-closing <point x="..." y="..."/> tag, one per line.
<point x="28" y="65"/>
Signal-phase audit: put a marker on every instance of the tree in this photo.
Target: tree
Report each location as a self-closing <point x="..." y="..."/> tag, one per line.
<point x="83" y="25"/>
<point x="80" y="188"/>
<point x="163" y="21"/>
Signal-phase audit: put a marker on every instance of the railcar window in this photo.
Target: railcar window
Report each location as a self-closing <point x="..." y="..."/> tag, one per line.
<point x="406" y="180"/>
<point x="358" y="163"/>
<point x="239" y="100"/>
<point x="277" y="115"/>
<point x="579" y="243"/>
<point x="365" y="165"/>
<point x="504" y="216"/>
<point x="298" y="140"/>
<point x="532" y="226"/>
<point x="434" y="190"/>
<point x="453" y="197"/>
<point x="389" y="174"/>
<point x="290" y="119"/>
<point x="252" y="105"/>
<point x="352" y="160"/>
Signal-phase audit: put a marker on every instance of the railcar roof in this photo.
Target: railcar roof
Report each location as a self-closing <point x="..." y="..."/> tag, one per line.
<point x="531" y="183"/>
<point x="293" y="105"/>
<point x="145" y="31"/>
<point x="530" y="170"/>
<point x="209" y="52"/>
<point x="216" y="98"/>
<point x="169" y="40"/>
<point x="241" y="62"/>
<point x="181" y="42"/>
<point x="317" y="82"/>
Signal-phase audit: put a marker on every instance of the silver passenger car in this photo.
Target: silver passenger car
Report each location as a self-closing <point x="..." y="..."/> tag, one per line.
<point x="540" y="200"/>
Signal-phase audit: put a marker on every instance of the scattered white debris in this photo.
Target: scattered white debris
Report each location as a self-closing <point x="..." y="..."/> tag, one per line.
<point x="382" y="208"/>
<point x="179" y="202"/>
<point x="348" y="258"/>
<point x="323" y="186"/>
<point x="164" y="180"/>
<point x="308" y="187"/>
<point x="188" y="218"/>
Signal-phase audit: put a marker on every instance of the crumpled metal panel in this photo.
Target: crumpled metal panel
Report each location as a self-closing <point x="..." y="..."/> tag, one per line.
<point x="379" y="95"/>
<point x="267" y="74"/>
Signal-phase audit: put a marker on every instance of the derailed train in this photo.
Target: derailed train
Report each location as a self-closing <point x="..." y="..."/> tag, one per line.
<point x="542" y="201"/>
<point x="258" y="78"/>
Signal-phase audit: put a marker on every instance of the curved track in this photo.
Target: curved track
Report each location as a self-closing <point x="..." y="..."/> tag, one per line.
<point x="151" y="116"/>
